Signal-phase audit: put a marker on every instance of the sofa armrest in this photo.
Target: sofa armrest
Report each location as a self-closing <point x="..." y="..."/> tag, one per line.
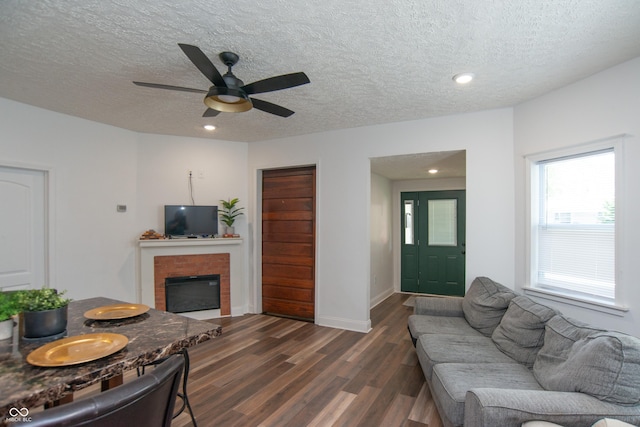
<point x="485" y="407"/>
<point x="436" y="306"/>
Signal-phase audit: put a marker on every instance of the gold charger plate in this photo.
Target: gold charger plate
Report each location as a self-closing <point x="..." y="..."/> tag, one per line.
<point x="116" y="311"/>
<point x="77" y="349"/>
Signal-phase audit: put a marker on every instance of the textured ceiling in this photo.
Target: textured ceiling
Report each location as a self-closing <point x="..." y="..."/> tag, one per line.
<point x="449" y="164"/>
<point x="369" y="62"/>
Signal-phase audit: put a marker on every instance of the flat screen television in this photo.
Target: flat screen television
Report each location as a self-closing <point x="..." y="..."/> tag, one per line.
<point x="190" y="221"/>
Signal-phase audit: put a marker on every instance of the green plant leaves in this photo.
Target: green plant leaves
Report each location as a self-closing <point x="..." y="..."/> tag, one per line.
<point x="229" y="212"/>
<point x="40" y="299"/>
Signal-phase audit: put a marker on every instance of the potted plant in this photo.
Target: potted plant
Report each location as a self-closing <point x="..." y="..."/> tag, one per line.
<point x="228" y="214"/>
<point x="44" y="312"/>
<point x="8" y="309"/>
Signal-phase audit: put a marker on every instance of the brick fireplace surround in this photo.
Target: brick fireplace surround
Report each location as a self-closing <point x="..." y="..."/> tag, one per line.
<point x="159" y="259"/>
<point x="192" y="265"/>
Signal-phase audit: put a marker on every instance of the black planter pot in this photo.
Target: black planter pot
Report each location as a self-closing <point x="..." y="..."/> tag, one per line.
<point x="40" y="324"/>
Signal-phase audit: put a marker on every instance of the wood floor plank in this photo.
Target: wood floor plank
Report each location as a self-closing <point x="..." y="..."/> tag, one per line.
<point x="334" y="410"/>
<point x="357" y="410"/>
<point x="262" y="396"/>
<point x="314" y="344"/>
<point x="424" y="411"/>
<point x="317" y="405"/>
<point x="276" y="372"/>
<point x="364" y="343"/>
<point x="310" y="391"/>
<point x="396" y="415"/>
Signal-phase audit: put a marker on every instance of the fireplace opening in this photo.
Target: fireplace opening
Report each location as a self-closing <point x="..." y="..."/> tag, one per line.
<point x="192" y="293"/>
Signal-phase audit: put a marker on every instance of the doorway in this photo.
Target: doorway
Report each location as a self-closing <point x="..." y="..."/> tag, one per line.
<point x="288" y="242"/>
<point x="433" y="242"/>
<point x="23" y="240"/>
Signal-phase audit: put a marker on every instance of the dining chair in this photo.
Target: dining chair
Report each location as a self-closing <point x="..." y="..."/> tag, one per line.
<point x="146" y="401"/>
<point x="184" y="397"/>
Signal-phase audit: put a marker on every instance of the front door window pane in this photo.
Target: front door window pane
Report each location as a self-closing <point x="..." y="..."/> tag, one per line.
<point x="442" y="221"/>
<point x="408" y="222"/>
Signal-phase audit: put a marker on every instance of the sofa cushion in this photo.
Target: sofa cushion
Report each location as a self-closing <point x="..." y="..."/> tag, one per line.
<point x="438" y="306"/>
<point x="452" y="380"/>
<point x="520" y="333"/>
<point x="559" y="336"/>
<point x="605" y="365"/>
<point x="425" y="324"/>
<point x="485" y="303"/>
<point x="440" y="348"/>
<point x="561" y="333"/>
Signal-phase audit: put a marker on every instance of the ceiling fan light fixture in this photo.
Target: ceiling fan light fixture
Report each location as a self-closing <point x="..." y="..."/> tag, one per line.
<point x="463" y="78"/>
<point x="227" y="100"/>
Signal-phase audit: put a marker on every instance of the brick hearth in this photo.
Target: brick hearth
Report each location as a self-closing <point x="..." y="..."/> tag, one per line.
<point x="192" y="265"/>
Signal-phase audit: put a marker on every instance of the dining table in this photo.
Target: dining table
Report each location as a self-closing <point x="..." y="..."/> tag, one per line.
<point x="28" y="379"/>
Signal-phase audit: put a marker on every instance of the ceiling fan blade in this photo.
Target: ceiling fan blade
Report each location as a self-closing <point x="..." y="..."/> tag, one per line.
<point x="168" y="87"/>
<point x="271" y="84"/>
<point x="210" y="113"/>
<point x="269" y="107"/>
<point x="203" y="63"/>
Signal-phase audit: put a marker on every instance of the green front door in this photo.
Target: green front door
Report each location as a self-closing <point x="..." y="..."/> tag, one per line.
<point x="433" y="242"/>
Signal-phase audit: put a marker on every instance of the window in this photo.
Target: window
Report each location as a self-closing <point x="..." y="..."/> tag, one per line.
<point x="443" y="222"/>
<point x="573" y="222"/>
<point x="408" y="222"/>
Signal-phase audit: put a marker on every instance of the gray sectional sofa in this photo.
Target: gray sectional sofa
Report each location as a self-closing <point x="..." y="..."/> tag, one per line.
<point x="496" y="358"/>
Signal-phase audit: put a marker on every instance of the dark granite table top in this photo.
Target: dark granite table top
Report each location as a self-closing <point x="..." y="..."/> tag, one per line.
<point x="152" y="336"/>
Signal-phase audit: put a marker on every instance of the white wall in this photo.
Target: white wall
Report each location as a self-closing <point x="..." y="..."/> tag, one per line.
<point x="344" y="199"/>
<point x="381" y="231"/>
<point x="600" y="106"/>
<point x="96" y="167"/>
<point x="93" y="167"/>
<point x="218" y="168"/>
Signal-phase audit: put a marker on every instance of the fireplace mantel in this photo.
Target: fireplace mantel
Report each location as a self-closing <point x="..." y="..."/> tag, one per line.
<point x="149" y="249"/>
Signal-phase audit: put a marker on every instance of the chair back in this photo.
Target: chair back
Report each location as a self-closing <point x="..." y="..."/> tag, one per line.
<point x="145" y="401"/>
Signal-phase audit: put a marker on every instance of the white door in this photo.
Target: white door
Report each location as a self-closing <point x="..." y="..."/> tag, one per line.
<point x="22" y="228"/>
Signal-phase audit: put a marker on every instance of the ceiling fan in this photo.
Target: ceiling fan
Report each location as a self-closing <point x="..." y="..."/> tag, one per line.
<point x="229" y="94"/>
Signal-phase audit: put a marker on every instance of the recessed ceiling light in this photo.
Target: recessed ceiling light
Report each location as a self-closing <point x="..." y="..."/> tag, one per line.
<point x="432" y="171"/>
<point x="209" y="127"/>
<point x="463" y="78"/>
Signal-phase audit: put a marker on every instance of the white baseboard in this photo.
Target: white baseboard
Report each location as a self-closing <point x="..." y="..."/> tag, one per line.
<point x="378" y="299"/>
<point x="348" y="324"/>
<point x="203" y="314"/>
<point x="239" y="311"/>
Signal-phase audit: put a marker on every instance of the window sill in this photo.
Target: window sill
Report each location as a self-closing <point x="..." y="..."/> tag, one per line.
<point x="603" y="307"/>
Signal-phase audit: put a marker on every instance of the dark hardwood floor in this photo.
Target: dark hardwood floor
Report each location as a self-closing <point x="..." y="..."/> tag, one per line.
<point x="270" y="371"/>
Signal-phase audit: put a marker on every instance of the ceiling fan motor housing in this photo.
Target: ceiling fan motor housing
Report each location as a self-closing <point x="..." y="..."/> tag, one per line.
<point x="229" y="94"/>
<point x="232" y="81"/>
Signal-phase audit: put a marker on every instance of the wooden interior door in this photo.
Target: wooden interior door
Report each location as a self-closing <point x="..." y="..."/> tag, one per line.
<point x="288" y="242"/>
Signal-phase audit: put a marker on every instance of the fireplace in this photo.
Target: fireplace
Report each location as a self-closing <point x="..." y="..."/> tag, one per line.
<point x="160" y="259"/>
<point x="192" y="293"/>
<point x="167" y="266"/>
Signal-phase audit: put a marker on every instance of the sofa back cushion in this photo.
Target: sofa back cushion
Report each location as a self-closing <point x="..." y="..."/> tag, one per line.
<point x="485" y="303"/>
<point x="520" y="333"/>
<point x="603" y="364"/>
